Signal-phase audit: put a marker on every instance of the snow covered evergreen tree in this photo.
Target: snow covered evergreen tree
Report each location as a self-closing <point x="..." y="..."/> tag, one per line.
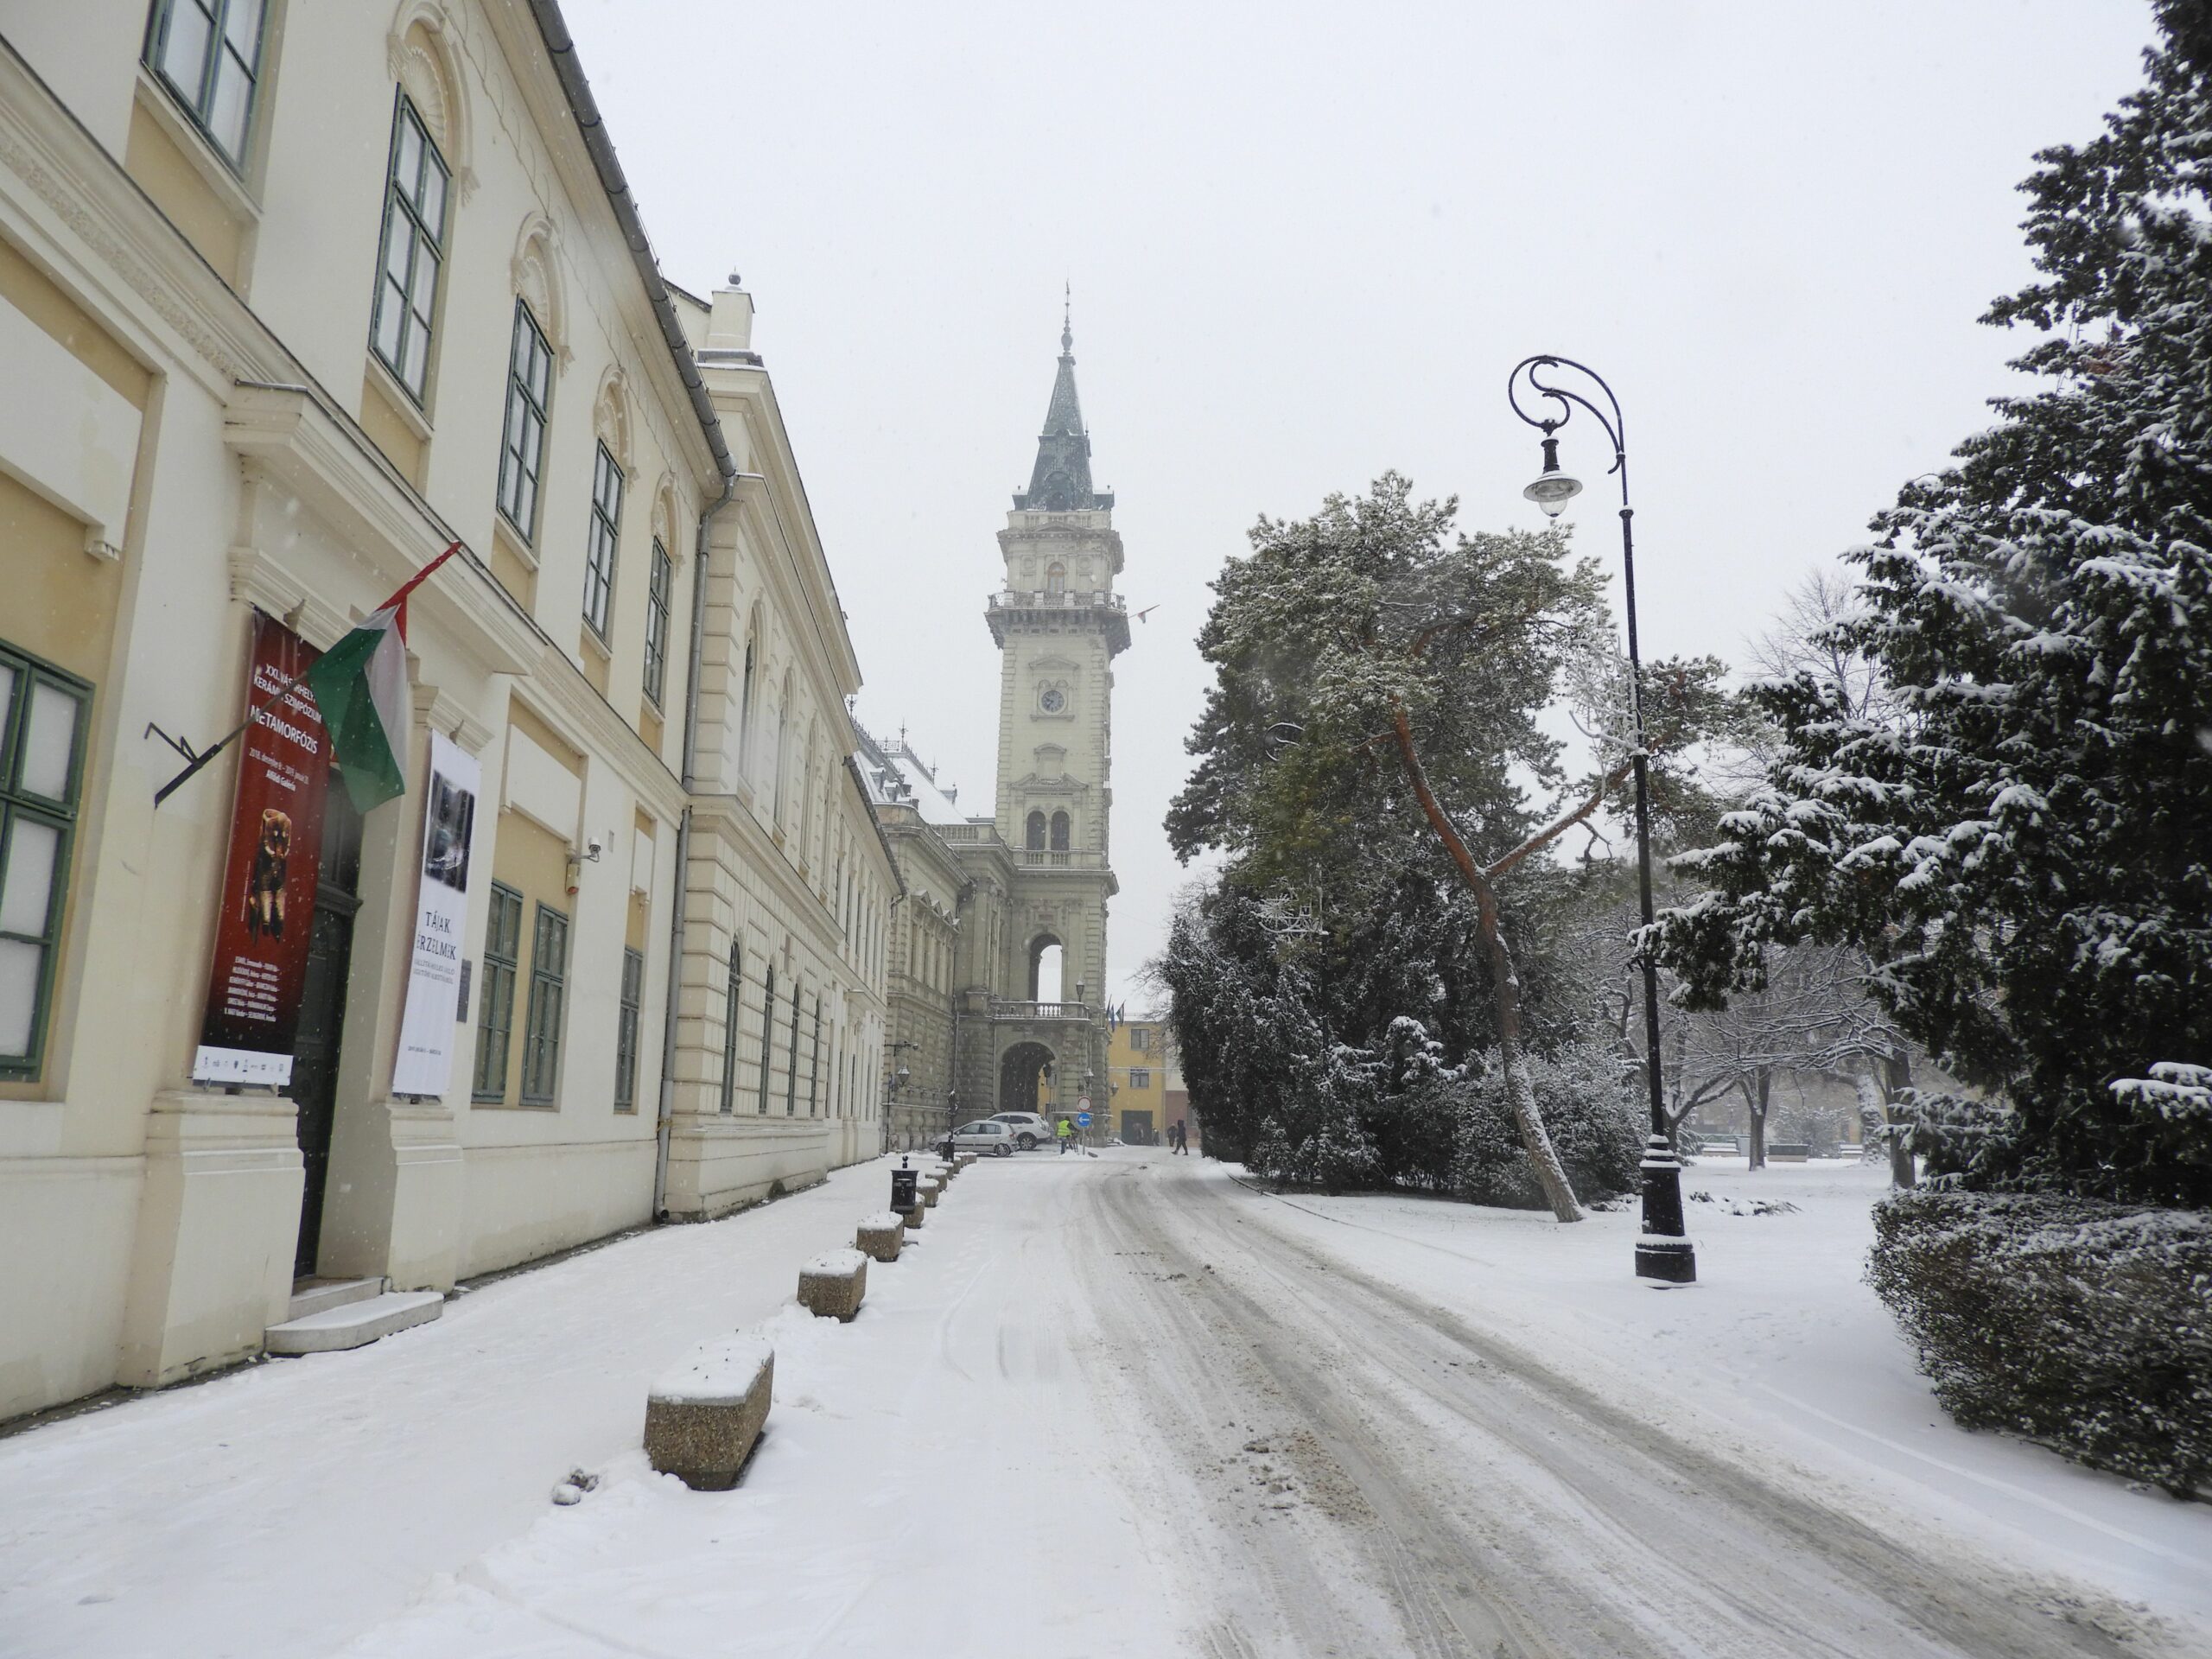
<point x="2021" y="835"/>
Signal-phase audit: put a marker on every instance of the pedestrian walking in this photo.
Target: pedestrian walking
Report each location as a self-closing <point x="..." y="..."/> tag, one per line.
<point x="1180" y="1135"/>
<point x="1066" y="1131"/>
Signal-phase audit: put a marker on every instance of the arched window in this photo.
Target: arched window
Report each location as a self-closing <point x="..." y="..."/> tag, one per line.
<point x="767" y="1032"/>
<point x="1059" y="832"/>
<point x="1036" y="832"/>
<point x="783" y="748"/>
<point x="733" y="1005"/>
<point x="1056" y="578"/>
<point x="744" y="709"/>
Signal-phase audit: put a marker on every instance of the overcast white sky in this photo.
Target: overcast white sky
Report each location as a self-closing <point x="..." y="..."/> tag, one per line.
<point x="1307" y="242"/>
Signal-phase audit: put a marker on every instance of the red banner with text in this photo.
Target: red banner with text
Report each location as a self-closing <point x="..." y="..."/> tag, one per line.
<point x="265" y="911"/>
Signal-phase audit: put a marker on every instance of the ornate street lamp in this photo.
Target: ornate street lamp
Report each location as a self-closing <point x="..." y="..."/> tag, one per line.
<point x="1663" y="1251"/>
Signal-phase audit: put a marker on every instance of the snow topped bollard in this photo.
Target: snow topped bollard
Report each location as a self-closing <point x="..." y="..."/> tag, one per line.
<point x="912" y="1218"/>
<point x="830" y="1287"/>
<point x="880" y="1236"/>
<point x="704" y="1416"/>
<point x="932" y="1188"/>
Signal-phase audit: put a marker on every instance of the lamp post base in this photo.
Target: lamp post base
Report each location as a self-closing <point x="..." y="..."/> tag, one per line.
<point x="1663" y="1251"/>
<point x="1672" y="1261"/>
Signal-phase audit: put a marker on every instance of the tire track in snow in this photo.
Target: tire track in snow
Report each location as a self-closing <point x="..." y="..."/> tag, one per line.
<point x="1477" y="1464"/>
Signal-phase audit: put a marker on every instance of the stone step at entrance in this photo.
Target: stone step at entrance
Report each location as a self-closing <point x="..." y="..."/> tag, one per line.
<point x="354" y="1325"/>
<point x="314" y="1295"/>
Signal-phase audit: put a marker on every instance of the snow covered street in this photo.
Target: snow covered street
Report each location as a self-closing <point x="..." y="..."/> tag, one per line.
<point x="1122" y="1405"/>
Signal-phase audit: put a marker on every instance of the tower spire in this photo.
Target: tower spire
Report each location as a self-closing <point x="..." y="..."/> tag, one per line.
<point x="1060" y="481"/>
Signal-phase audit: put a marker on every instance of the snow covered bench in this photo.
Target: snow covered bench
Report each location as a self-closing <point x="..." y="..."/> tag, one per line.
<point x="880" y="1236"/>
<point x="1789" y="1152"/>
<point x="830" y="1287"/>
<point x="702" y="1417"/>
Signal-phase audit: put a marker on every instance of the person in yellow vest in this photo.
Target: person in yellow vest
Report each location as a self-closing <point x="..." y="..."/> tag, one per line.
<point x="1066" y="1131"/>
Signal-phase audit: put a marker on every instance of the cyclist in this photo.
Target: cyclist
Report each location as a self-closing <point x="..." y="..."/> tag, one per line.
<point x="1065" y="1130"/>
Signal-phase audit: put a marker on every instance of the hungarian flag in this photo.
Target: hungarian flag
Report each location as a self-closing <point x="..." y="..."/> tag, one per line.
<point x="360" y="686"/>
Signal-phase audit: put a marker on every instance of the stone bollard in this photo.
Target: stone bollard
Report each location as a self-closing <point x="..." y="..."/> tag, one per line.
<point x="831" y="1286"/>
<point x="933" y="1188"/>
<point x="912" y="1218"/>
<point x="881" y="1236"/>
<point x="702" y="1417"/>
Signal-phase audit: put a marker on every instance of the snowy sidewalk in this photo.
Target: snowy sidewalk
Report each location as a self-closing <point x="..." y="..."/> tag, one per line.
<point x="296" y="1507"/>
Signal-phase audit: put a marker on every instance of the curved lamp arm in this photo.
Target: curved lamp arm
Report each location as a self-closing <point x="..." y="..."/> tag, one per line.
<point x="1567" y="400"/>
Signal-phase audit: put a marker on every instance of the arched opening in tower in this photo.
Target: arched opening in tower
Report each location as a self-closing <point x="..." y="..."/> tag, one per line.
<point x="1044" y="967"/>
<point x="1026" y="1076"/>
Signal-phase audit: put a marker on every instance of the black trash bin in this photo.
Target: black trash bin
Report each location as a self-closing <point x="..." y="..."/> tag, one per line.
<point x="903" y="1192"/>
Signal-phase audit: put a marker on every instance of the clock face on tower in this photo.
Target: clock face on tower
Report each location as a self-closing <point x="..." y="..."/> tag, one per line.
<point x="1052" y="699"/>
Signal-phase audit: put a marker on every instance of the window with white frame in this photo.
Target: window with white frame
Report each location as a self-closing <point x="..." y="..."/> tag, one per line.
<point x="521" y="444"/>
<point x="207" y="54"/>
<point x="413" y="253"/>
<point x="600" y="543"/>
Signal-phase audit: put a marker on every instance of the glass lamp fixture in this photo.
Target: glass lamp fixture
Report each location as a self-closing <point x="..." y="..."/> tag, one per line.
<point x="1553" y="489"/>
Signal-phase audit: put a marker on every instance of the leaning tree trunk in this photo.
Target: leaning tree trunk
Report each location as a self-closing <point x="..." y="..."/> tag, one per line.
<point x="1520" y="1090"/>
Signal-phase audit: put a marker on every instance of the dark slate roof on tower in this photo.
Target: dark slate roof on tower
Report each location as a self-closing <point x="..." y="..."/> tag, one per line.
<point x="1060" y="481"/>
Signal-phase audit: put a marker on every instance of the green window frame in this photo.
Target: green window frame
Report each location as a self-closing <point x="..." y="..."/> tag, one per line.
<point x="732" y="1010"/>
<point x="44" y="721"/>
<point x="659" y="588"/>
<point x="790" y="1071"/>
<point x="522" y="443"/>
<point x="411" y="251"/>
<point x="548" y="987"/>
<point x="601" y="541"/>
<point x="625" y="1030"/>
<point x="768" y="1036"/>
<point x="206" y="55"/>
<point x="495" y="1002"/>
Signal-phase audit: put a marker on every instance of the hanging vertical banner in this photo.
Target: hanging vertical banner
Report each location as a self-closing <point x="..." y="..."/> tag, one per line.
<point x="266" y="912"/>
<point x="433" y="976"/>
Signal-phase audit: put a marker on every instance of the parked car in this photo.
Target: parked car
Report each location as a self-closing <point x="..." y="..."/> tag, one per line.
<point x="1029" y="1130"/>
<point x="986" y="1134"/>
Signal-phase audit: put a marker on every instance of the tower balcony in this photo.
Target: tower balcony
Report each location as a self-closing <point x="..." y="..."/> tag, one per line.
<point x="1030" y="1012"/>
<point x="1108" y="613"/>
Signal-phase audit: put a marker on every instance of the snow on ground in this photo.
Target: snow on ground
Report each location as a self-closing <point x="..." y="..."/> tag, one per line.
<point x="915" y="1464"/>
<point x="980" y="1462"/>
<point x="1779" y="1351"/>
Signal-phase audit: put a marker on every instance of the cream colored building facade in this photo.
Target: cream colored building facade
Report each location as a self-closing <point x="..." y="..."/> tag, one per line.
<point x="288" y="308"/>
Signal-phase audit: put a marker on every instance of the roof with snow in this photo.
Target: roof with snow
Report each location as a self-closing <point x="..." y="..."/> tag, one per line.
<point x="896" y="776"/>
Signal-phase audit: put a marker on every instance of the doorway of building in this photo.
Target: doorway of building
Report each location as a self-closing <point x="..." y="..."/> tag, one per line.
<point x="322" y="1010"/>
<point x="1137" y="1130"/>
<point x="1021" y="1070"/>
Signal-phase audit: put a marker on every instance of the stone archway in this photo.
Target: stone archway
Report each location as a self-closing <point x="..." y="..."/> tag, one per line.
<point x="1022" y="1068"/>
<point x="1047" y="981"/>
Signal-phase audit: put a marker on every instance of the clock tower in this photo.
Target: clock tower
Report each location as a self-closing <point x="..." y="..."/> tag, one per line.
<point x="1058" y="624"/>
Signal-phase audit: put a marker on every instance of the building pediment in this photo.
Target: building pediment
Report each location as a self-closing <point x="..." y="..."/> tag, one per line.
<point x="1036" y="784"/>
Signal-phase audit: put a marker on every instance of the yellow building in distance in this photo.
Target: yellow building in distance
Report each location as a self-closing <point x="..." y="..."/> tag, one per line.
<point x="1136" y="1063"/>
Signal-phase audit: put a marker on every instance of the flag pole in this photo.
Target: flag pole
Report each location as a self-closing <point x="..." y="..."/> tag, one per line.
<point x="255" y="710"/>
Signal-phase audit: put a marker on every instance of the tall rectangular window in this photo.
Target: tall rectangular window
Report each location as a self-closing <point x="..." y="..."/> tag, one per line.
<point x="767" y="1034"/>
<point x="791" y="1076"/>
<point x="541" y="1036"/>
<point x="413" y="253"/>
<point x="495" y="1002"/>
<point x="814" y="1064"/>
<point x="732" y="1007"/>
<point x="207" y="52"/>
<point x="657" y="590"/>
<point x="626" y="1031"/>
<point x="600" y="543"/>
<point x="522" y="446"/>
<point x="43" y="730"/>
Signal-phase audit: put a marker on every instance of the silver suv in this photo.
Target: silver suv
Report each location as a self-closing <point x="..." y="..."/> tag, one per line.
<point x="1029" y="1130"/>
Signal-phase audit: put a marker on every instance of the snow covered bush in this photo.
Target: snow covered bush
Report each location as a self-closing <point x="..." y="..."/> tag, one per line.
<point x="2019" y="832"/>
<point x="2081" y="1324"/>
<point x="1594" y="1107"/>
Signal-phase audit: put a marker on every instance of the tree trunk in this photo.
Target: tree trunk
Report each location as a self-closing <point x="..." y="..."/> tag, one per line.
<point x="1896" y="1068"/>
<point x="1755" y="1103"/>
<point x="1520" y="1090"/>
